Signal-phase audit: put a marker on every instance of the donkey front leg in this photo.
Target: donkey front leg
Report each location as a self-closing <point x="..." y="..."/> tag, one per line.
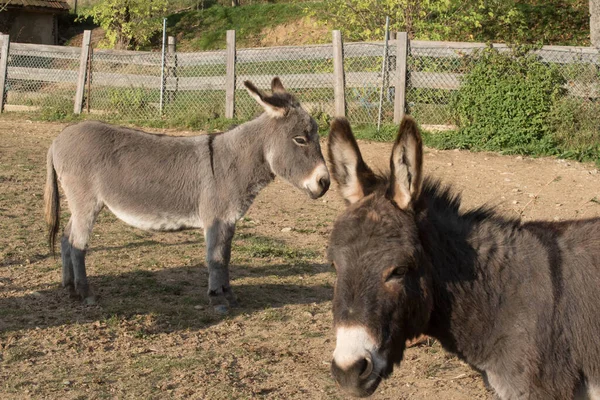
<point x="218" y="253"/>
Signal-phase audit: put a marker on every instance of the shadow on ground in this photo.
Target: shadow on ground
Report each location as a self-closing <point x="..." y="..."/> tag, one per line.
<point x="176" y="296"/>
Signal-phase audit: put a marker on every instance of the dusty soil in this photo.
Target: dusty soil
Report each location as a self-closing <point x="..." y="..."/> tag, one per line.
<point x="153" y="334"/>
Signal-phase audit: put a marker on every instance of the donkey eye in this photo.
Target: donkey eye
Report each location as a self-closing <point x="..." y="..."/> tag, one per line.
<point x="300" y="140"/>
<point x="396" y="274"/>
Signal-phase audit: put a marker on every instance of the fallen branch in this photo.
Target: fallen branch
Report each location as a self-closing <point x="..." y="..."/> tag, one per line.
<point x="535" y="196"/>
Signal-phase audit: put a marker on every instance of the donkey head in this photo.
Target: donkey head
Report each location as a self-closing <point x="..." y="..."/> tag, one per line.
<point x="382" y="290"/>
<point x="292" y="146"/>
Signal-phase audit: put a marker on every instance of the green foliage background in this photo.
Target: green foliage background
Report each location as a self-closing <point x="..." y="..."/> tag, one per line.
<point x="513" y="102"/>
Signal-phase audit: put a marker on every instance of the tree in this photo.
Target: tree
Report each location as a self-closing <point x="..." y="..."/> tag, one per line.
<point x="365" y="19"/>
<point x="595" y="22"/>
<point x="128" y="23"/>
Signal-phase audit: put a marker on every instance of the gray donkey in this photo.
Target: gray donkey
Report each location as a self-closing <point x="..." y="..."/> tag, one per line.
<point x="166" y="183"/>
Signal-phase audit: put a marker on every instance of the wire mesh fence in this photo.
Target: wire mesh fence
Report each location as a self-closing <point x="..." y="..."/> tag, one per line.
<point x="436" y="73"/>
<point x="305" y="71"/>
<point x="367" y="78"/>
<point x="128" y="85"/>
<point x="195" y="85"/>
<point x="137" y="86"/>
<point x="41" y="80"/>
<point x="124" y="85"/>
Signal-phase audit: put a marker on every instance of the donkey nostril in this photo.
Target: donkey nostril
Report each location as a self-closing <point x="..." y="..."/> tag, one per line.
<point x="366" y="368"/>
<point x="324" y="182"/>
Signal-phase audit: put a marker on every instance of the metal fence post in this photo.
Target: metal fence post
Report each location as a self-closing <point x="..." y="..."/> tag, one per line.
<point x="400" y="92"/>
<point x="172" y="81"/>
<point x="230" y="76"/>
<point x="384" y="67"/>
<point x="83" y="67"/>
<point x="162" y="67"/>
<point x="3" y="68"/>
<point x="339" y="87"/>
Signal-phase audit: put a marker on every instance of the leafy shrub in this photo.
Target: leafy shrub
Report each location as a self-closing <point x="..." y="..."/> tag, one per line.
<point x="576" y="126"/>
<point x="505" y="103"/>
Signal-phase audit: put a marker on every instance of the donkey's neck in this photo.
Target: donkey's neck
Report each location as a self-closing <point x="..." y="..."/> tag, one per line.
<point x="471" y="256"/>
<point x="246" y="143"/>
<point x="239" y="162"/>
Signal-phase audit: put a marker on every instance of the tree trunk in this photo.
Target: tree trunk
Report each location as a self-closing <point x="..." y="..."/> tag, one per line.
<point x="235" y="3"/>
<point x="595" y="22"/>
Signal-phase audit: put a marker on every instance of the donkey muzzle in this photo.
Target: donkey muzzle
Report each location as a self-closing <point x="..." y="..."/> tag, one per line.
<point x="318" y="182"/>
<point x="357" y="379"/>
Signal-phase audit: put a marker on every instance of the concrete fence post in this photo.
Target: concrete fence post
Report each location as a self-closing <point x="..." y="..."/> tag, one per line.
<point x="400" y="92"/>
<point x="83" y="68"/>
<point x="230" y="76"/>
<point x="339" y="86"/>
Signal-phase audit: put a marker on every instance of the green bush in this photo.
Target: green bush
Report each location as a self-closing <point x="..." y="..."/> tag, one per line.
<point x="576" y="126"/>
<point x="505" y="103"/>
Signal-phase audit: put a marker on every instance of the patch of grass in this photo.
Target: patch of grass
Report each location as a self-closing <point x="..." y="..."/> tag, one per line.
<point x="206" y="29"/>
<point x="265" y="247"/>
<point x="305" y="230"/>
<point x="274" y="314"/>
<point x="162" y="365"/>
<point x="16" y="354"/>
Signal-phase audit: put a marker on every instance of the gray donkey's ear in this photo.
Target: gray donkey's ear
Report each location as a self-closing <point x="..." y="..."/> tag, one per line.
<point x="277" y="86"/>
<point x="275" y="106"/>
<point x="406" y="165"/>
<point x="348" y="168"/>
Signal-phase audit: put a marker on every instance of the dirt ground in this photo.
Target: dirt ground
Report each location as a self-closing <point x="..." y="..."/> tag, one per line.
<point x="153" y="334"/>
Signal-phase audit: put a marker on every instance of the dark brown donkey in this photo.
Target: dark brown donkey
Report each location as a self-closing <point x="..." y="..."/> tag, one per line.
<point x="519" y="302"/>
<point x="166" y="183"/>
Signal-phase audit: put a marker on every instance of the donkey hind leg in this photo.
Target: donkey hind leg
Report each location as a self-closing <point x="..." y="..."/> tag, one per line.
<point x="81" y="228"/>
<point x="68" y="278"/>
<point x="218" y="253"/>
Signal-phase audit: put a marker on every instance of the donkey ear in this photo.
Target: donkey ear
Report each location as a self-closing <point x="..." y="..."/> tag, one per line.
<point x="348" y="168"/>
<point x="273" y="106"/>
<point x="277" y="86"/>
<point x="406" y="165"/>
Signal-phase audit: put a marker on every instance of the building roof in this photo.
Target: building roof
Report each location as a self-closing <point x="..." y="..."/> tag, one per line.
<point x="44" y="4"/>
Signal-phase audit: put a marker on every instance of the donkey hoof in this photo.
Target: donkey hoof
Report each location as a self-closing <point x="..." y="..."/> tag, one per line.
<point x="90" y="301"/>
<point x="221" y="309"/>
<point x="72" y="292"/>
<point x="233" y="303"/>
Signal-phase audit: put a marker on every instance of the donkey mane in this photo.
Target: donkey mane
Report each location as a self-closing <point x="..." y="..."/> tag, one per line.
<point x="441" y="198"/>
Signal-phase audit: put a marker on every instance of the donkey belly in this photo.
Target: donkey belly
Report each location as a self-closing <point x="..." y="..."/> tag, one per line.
<point x="156" y="221"/>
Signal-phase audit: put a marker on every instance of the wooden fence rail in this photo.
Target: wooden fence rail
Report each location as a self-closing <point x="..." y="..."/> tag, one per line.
<point x="217" y="71"/>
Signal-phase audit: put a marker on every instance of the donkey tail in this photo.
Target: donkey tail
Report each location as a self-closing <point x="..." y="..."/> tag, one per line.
<point x="51" y="202"/>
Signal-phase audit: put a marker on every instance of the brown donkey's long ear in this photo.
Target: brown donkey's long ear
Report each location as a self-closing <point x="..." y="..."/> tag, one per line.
<point x="275" y="106"/>
<point x="348" y="168"/>
<point x="406" y="165"/>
